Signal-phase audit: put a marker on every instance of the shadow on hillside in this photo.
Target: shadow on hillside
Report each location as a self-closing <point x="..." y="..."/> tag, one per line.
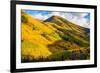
<point x="70" y="35"/>
<point x="61" y="51"/>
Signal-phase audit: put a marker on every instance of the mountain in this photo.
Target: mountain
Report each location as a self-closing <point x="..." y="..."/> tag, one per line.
<point x="55" y="39"/>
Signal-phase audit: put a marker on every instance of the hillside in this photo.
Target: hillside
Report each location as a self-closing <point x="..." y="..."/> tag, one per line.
<point x="55" y="39"/>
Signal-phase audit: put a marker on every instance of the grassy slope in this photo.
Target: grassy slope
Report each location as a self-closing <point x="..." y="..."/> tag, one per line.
<point x="53" y="39"/>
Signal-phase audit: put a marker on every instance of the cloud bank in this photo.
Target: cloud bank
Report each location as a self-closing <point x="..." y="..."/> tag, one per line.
<point x="82" y="19"/>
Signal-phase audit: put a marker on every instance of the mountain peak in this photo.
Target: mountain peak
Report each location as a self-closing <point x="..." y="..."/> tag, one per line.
<point x="53" y="18"/>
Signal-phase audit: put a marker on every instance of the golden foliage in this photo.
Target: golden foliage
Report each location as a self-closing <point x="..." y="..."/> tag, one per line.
<point x="49" y="39"/>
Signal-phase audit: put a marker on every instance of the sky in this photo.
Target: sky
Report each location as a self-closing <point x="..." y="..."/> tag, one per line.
<point x="80" y="18"/>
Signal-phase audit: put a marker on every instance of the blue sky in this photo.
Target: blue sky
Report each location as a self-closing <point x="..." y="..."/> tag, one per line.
<point x="33" y="12"/>
<point x="83" y="18"/>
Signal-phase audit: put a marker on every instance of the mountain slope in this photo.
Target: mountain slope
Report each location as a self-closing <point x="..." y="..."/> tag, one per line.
<point x="53" y="39"/>
<point x="68" y="28"/>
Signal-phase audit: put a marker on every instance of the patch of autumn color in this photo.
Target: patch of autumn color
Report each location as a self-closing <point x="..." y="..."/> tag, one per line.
<point x="28" y="34"/>
<point x="34" y="44"/>
<point x="34" y="50"/>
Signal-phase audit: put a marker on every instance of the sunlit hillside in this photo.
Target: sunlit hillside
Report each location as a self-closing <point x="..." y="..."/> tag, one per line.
<point x="55" y="39"/>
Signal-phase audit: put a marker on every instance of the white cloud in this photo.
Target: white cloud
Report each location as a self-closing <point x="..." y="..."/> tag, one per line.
<point x="40" y="16"/>
<point x="77" y="18"/>
<point x="56" y="13"/>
